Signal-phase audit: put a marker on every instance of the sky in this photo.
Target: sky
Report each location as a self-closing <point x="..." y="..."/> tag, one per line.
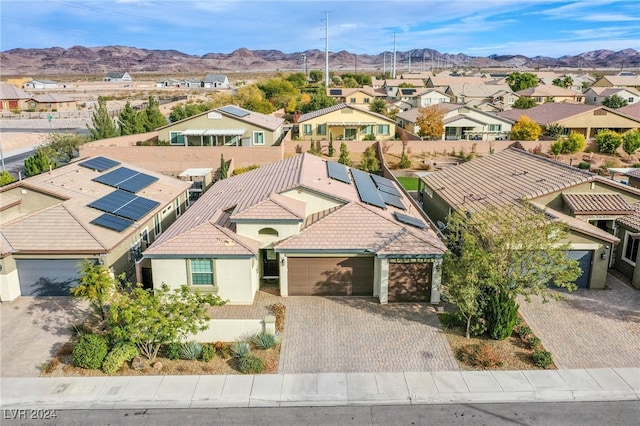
<point x="473" y="27"/>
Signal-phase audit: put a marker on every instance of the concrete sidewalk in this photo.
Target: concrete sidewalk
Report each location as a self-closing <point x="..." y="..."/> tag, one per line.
<point x="334" y="389"/>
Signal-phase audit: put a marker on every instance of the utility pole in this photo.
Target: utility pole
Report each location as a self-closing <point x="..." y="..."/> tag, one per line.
<point x="326" y="51"/>
<point x="384" y="64"/>
<point x="304" y="61"/>
<point x="393" y="69"/>
<point x="409" y="62"/>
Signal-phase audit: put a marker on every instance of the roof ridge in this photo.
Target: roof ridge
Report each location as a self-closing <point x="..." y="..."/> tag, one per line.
<point x="235" y="237"/>
<point x="279" y="203"/>
<point x="83" y="227"/>
<point x="552" y="161"/>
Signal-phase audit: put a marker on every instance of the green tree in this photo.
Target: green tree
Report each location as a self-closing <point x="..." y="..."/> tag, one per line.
<point x="6" y="178"/>
<point x="38" y="163"/>
<point x="631" y="141"/>
<point x="150" y="319"/>
<point x="524" y="102"/>
<point x="152" y="118"/>
<point x="330" y="150"/>
<point x="177" y="113"/>
<point x="319" y="100"/>
<point x="571" y="144"/>
<point x="224" y="168"/>
<point x="350" y="82"/>
<point x="378" y="106"/>
<point x="513" y="249"/>
<point x="103" y="126"/>
<point x="406" y="85"/>
<point x="608" y="141"/>
<point x="95" y="285"/>
<point x="519" y="81"/>
<point x="316" y="75"/>
<point x="525" y="129"/>
<point x="129" y="121"/>
<point x="62" y="147"/>
<point x="553" y="129"/>
<point x="278" y="91"/>
<point x="369" y="162"/>
<point x="344" y="155"/>
<point x="430" y="121"/>
<point x="564" y="82"/>
<point x="298" y="79"/>
<point x="614" y="101"/>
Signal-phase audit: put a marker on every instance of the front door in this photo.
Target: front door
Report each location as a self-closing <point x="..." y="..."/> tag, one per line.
<point x="270" y="267"/>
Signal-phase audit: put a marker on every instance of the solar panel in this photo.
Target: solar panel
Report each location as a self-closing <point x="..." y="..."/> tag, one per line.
<point x="335" y="92"/>
<point x="137" y="209"/>
<point x="392" y="200"/>
<point x="125" y="204"/>
<point x="338" y="171"/>
<point x="137" y="182"/>
<point x="410" y="220"/>
<point x="389" y="190"/>
<point x="113" y="201"/>
<point x="116" y="176"/>
<point x="99" y="164"/>
<point x="112" y="222"/>
<point x="238" y="112"/>
<point x="367" y="189"/>
<point x="386" y="185"/>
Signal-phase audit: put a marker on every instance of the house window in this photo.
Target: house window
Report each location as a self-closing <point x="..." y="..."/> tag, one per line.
<point x="366" y="100"/>
<point x="383" y="129"/>
<point x="352" y="100"/>
<point x="350" y="134"/>
<point x="367" y="130"/>
<point x="176" y="138"/>
<point x="579" y="99"/>
<point x="307" y="129"/>
<point x="630" y="100"/>
<point x="144" y="236"/>
<point x="157" y="226"/>
<point x="268" y="231"/>
<point x="511" y="101"/>
<point x="538" y="99"/>
<point x="321" y="129"/>
<point x="178" y="209"/>
<point x="595" y="99"/>
<point x="630" y="252"/>
<point x="495" y="127"/>
<point x="258" y="138"/>
<point x="427" y="101"/>
<point x="201" y="271"/>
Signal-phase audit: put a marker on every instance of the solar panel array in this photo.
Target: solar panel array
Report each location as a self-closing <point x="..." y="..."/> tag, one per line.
<point x="410" y="220"/>
<point x="125" y="204"/>
<point x="338" y="171"/>
<point x="367" y="189"/>
<point x="238" y="112"/>
<point x="392" y="200"/>
<point x="386" y="185"/>
<point x="128" y="179"/>
<point x="110" y="221"/>
<point x="335" y="92"/>
<point x="99" y="164"/>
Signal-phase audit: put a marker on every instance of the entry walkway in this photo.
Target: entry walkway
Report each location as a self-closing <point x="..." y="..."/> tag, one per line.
<point x="333" y="389"/>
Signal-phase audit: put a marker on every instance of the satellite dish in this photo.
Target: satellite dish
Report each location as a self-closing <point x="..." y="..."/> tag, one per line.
<point x="441" y="225"/>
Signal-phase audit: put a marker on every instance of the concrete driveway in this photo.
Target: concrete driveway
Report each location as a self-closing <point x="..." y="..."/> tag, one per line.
<point x="590" y="328"/>
<point x="33" y="329"/>
<point x="357" y="334"/>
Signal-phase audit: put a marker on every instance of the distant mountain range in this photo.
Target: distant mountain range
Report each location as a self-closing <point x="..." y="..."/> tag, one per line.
<point x="100" y="60"/>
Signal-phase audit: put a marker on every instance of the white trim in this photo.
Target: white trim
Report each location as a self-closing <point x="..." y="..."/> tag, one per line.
<point x="627" y="237"/>
<point x="253" y="139"/>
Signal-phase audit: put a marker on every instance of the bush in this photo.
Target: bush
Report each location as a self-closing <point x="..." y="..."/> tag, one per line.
<point x="208" y="352"/>
<point x="451" y="320"/>
<point x="533" y="342"/>
<point x="173" y="350"/>
<point x="608" y="141"/>
<point x="584" y="165"/>
<point x="542" y="358"/>
<point x="90" y="351"/>
<point x="265" y="340"/>
<point x="241" y="170"/>
<point x="250" y="364"/>
<point x="501" y="313"/>
<point x="523" y="331"/>
<point x="369" y="137"/>
<point x="191" y="350"/>
<point x="240" y="349"/>
<point x="120" y="353"/>
<point x="479" y="355"/>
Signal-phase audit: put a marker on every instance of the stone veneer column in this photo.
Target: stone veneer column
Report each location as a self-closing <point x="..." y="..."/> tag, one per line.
<point x="436" y="280"/>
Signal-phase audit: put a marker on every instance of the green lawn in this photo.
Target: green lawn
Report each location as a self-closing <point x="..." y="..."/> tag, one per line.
<point x="409" y="183"/>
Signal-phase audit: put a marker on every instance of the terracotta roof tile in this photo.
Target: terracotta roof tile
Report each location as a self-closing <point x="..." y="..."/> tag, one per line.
<point x="611" y="204"/>
<point x="549" y="112"/>
<point x="632" y="221"/>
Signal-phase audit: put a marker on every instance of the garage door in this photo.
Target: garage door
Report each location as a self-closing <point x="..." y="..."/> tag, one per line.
<point x="410" y="282"/>
<point x="330" y="276"/>
<point x="44" y="277"/>
<point x="584" y="258"/>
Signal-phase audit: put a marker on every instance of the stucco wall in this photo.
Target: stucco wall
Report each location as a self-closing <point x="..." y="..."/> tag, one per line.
<point x="250" y="230"/>
<point x="228" y="330"/>
<point x="172" y="272"/>
<point x="314" y="202"/>
<point x="235" y="280"/>
<point x="9" y="283"/>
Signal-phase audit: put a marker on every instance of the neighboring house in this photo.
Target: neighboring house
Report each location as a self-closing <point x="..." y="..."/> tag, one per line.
<point x="584" y="119"/>
<point x="169" y="82"/>
<point x="631" y="110"/>
<point x="95" y="208"/>
<point x="215" y="81"/>
<point x="312" y="226"/>
<point x="420" y="97"/>
<point x="442" y="82"/>
<point x="117" y="76"/>
<point x="550" y="93"/>
<point x="12" y="98"/>
<point x="40" y="84"/>
<point x="596" y="95"/>
<point x="499" y="96"/>
<point x="592" y="207"/>
<point x="358" y="96"/>
<point x="228" y="125"/>
<point x="461" y="122"/>
<point x="345" y="122"/>
<point x="52" y="102"/>
<point x="391" y="86"/>
<point x="618" y="81"/>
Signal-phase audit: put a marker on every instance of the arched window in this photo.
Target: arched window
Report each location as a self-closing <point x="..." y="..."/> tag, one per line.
<point x="268" y="231"/>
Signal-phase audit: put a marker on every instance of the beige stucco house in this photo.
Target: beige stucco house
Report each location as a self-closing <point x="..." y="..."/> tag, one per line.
<point x="95" y="208"/>
<point x="600" y="214"/>
<point x="345" y="122"/>
<point x="308" y="226"/>
<point x="225" y="126"/>
<point x="545" y="93"/>
<point x="597" y="95"/>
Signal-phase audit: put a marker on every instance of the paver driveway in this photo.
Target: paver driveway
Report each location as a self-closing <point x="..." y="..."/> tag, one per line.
<point x="356" y="334"/>
<point x="33" y="329"/>
<point x="590" y="328"/>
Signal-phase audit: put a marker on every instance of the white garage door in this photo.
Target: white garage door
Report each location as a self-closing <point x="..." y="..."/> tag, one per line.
<point x="47" y="277"/>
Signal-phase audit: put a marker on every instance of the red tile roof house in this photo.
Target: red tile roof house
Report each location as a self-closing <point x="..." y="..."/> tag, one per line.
<point x="314" y="227"/>
<point x="603" y="216"/>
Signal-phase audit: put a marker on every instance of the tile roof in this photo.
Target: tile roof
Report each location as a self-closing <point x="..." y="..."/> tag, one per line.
<point x="268" y="122"/>
<point x="9" y="91"/>
<point x="610" y="91"/>
<point x="52" y="97"/>
<point x="612" y="204"/>
<point x="631" y="110"/>
<point x="623" y="80"/>
<point x="549" y="112"/>
<point x="631" y="221"/>
<point x="547" y="90"/>
<point x="323" y="111"/>
<point x="276" y="207"/>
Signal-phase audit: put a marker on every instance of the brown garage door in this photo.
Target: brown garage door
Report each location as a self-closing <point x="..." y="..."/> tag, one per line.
<point x="410" y="282"/>
<point x="330" y="276"/>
